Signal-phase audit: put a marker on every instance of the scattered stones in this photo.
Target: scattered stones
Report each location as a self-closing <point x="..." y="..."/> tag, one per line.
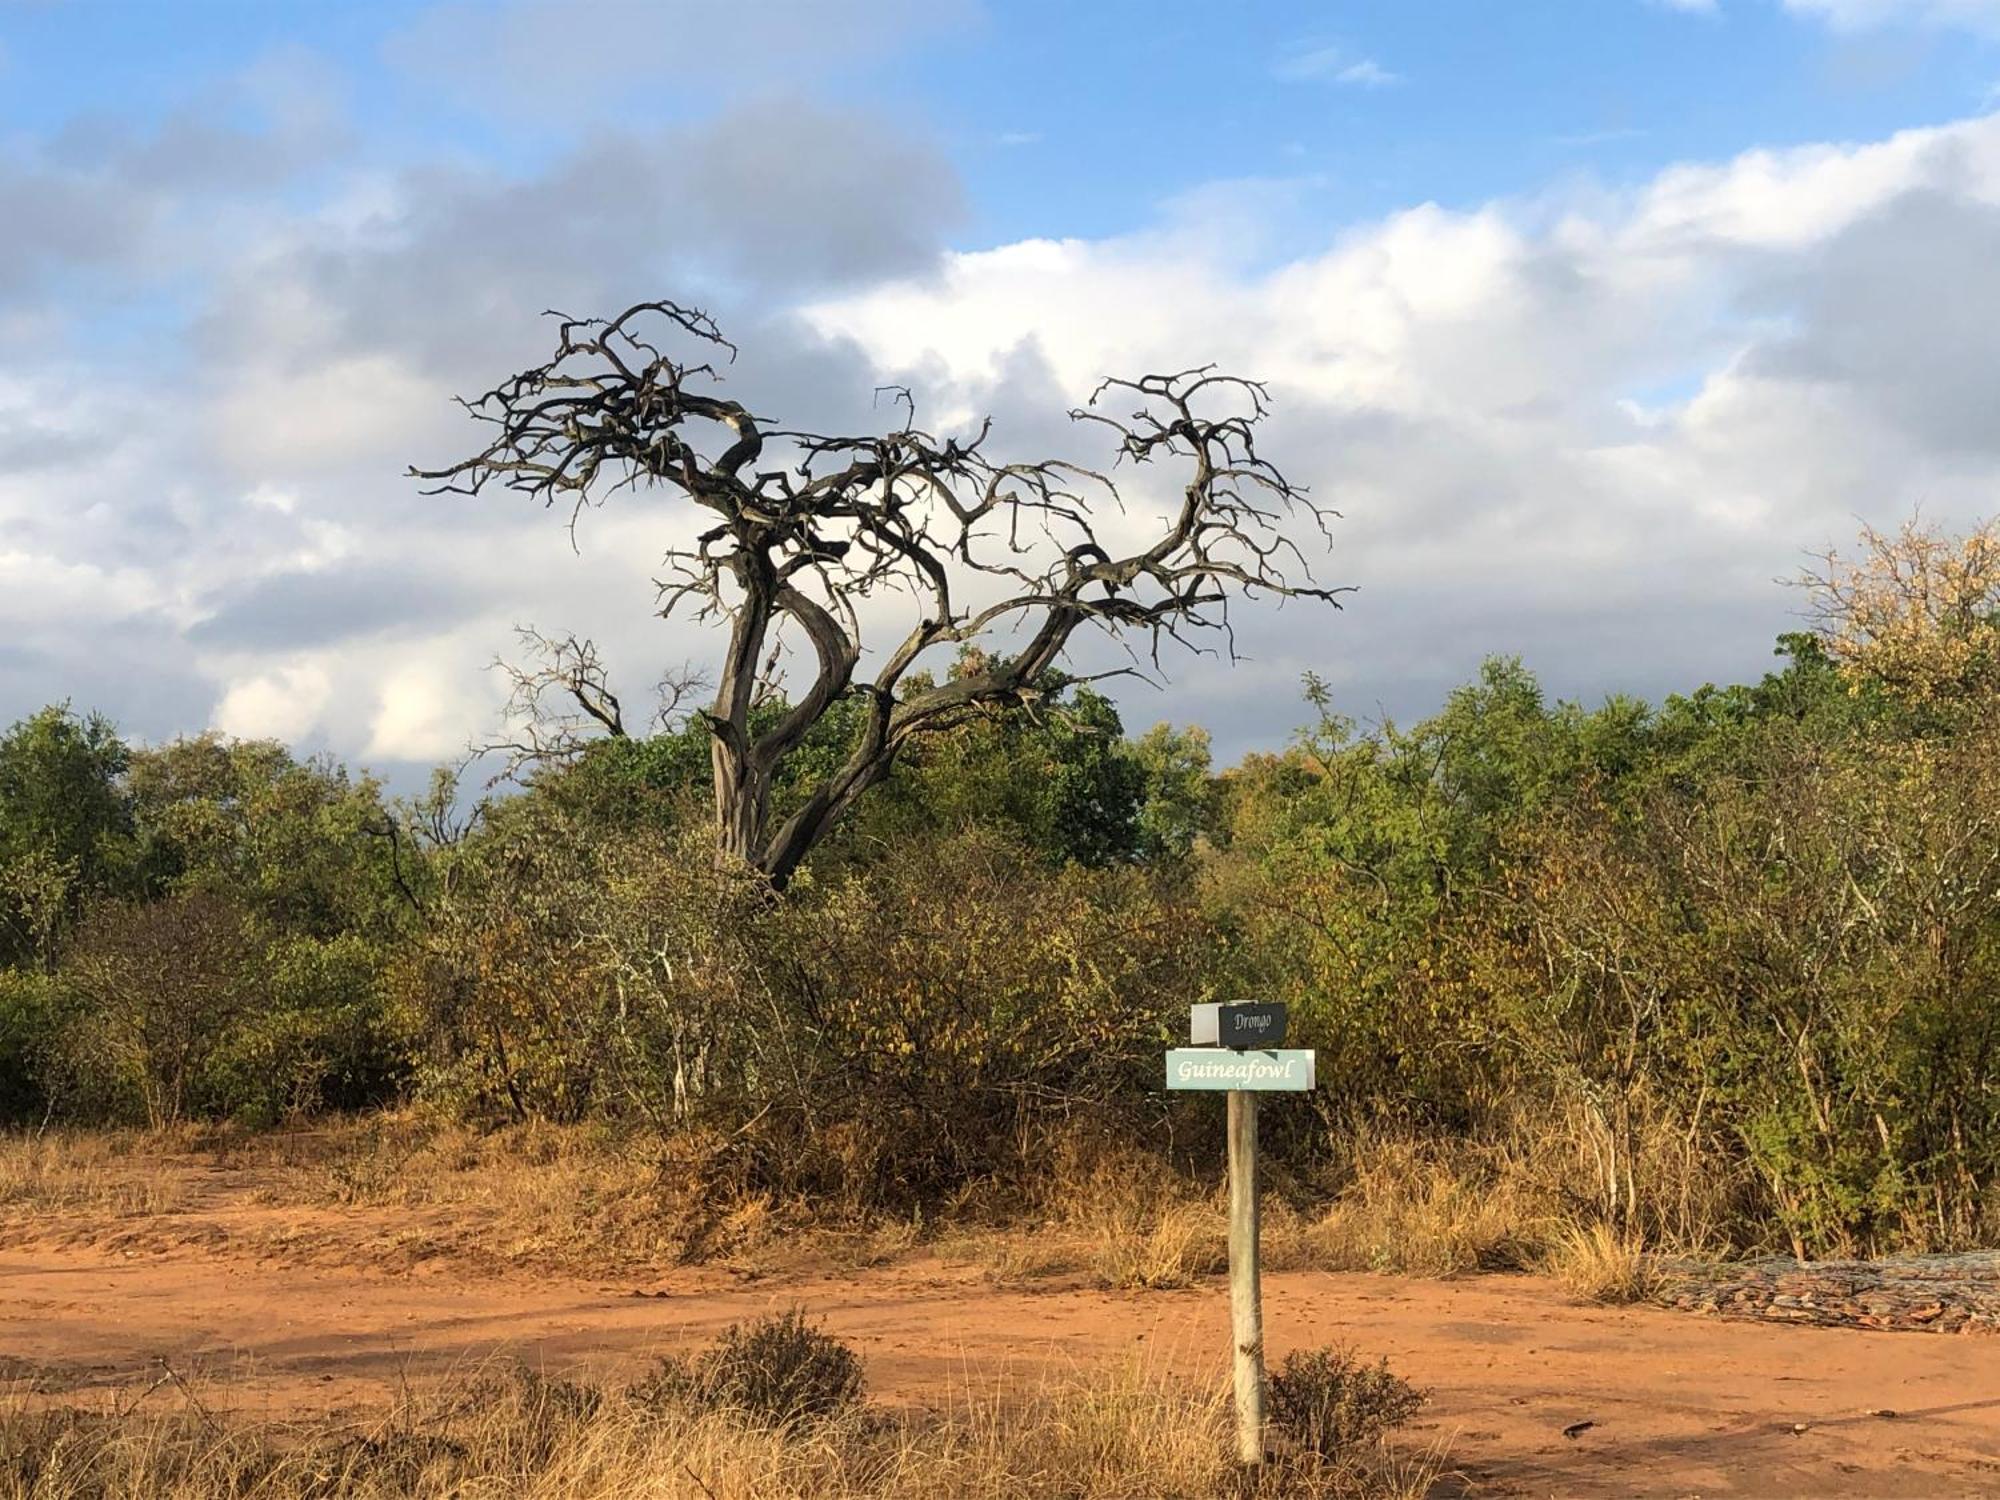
<point x="1908" y="1294"/>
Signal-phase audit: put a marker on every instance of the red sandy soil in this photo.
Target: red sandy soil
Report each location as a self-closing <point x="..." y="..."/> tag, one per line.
<point x="1681" y="1405"/>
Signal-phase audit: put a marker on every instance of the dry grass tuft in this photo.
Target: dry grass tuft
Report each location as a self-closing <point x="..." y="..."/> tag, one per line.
<point x="1419" y="1210"/>
<point x="1175" y="1245"/>
<point x="1021" y="1257"/>
<point x="1133" y="1434"/>
<point x="1602" y="1265"/>
<point x="112" y="1172"/>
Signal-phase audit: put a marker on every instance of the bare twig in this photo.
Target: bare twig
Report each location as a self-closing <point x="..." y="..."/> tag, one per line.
<point x="984" y="549"/>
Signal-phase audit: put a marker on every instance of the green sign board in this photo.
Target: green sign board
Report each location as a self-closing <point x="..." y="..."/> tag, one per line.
<point x="1286" y="1072"/>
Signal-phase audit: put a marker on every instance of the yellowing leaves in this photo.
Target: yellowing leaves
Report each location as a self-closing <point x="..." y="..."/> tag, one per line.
<point x="1917" y="610"/>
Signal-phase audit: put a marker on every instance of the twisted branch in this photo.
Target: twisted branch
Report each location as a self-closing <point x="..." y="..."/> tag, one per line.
<point x="807" y="526"/>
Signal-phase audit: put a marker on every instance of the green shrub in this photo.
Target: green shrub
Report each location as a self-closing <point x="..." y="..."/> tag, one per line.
<point x="27" y="1030"/>
<point x="774" y="1371"/>
<point x="1335" y="1406"/>
<point x="319" y="1036"/>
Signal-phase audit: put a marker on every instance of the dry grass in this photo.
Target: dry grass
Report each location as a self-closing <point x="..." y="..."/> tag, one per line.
<point x="586" y="1198"/>
<point x="555" y="1197"/>
<point x="1421" y="1210"/>
<point x="111" y="1172"/>
<point x="1133" y="1434"/>
<point x="1601" y="1264"/>
<point x="1410" y="1207"/>
<point x="1175" y="1245"/>
<point x="1019" y="1257"/>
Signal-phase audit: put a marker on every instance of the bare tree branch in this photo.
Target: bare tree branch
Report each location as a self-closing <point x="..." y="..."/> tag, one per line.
<point x="807" y="528"/>
<point x="560" y="699"/>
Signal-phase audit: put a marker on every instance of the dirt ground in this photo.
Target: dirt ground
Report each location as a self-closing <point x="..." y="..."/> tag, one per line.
<point x="1679" y="1405"/>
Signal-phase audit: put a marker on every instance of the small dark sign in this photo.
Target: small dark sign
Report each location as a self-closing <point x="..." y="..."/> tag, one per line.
<point x="1250" y="1025"/>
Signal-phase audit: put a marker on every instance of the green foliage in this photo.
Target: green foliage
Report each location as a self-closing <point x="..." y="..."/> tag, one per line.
<point x="243" y="904"/>
<point x="887" y="1030"/>
<point x="948" y="1002"/>
<point x="28" y="1032"/>
<point x="623" y="783"/>
<point x="64" y="828"/>
<point x="1751" y="934"/>
<point x="320" y="1035"/>
<point x="158" y="989"/>
<point x="1179" y="805"/>
<point x="778" y="1371"/>
<point x="1334" y="1405"/>
<point x="300" y="844"/>
<point x="565" y="970"/>
<point x="1062" y="779"/>
<point x="1806" y="954"/>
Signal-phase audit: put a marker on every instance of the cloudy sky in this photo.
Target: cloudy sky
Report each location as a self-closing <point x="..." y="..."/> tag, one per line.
<point x="1589" y="316"/>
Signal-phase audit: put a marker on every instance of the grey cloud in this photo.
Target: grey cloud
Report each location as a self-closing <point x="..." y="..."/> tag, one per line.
<point x="775" y="200"/>
<point x="191" y="151"/>
<point x="57" y="218"/>
<point x="27" y="445"/>
<point x="101" y="190"/>
<point x="1902" y="309"/>
<point x="117" y="669"/>
<point x="589" y="58"/>
<point x="789" y="197"/>
<point x="284" y="611"/>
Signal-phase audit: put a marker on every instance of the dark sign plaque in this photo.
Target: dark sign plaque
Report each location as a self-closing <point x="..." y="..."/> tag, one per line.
<point x="1241" y="1026"/>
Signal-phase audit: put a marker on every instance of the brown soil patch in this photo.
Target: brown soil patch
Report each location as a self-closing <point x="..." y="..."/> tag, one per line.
<point x="285" y="1312"/>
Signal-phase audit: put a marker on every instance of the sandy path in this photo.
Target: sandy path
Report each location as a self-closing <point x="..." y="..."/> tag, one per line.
<point x="1683" y="1406"/>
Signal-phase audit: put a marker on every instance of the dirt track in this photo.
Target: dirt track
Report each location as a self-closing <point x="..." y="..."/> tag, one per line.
<point x="1682" y="1405"/>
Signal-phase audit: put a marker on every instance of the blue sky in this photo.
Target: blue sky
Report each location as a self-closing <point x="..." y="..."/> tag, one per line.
<point x="1590" y="316"/>
<point x="1078" y="119"/>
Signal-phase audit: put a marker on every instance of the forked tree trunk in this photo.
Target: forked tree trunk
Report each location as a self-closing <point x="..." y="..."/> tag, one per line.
<point x="742" y="802"/>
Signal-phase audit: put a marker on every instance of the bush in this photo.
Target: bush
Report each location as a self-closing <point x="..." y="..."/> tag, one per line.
<point x="1602" y="1265"/>
<point x="320" y="1037"/>
<point x="959" y="999"/>
<point x="775" y="1371"/>
<point x="1334" y="1406"/>
<point x="158" y="988"/>
<point x="27" y="1030"/>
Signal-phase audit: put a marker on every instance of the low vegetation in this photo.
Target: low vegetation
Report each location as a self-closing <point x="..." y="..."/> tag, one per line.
<point x="1712" y="976"/>
<point x="1600" y="1265"/>
<point x="773" y="1410"/>
<point x="1332" y="1404"/>
<point x="780" y="1371"/>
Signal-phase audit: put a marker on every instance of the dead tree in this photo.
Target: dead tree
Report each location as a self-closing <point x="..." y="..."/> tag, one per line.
<point x="544" y="734"/>
<point x="809" y="529"/>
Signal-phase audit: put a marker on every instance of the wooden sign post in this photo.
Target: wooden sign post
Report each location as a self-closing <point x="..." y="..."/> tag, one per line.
<point x="1244" y="1073"/>
<point x="1246" y="1285"/>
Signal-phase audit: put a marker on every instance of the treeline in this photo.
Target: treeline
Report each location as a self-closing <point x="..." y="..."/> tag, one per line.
<point x="1732" y="961"/>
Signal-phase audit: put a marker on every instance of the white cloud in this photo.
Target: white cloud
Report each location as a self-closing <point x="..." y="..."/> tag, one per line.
<point x="1466" y="386"/>
<point x="430" y="706"/>
<point x="283" y="704"/>
<point x="278" y="417"/>
<point x="1332" y="65"/>
<point x="1590" y="428"/>
<point x="1368" y="73"/>
<point x="1859" y="15"/>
